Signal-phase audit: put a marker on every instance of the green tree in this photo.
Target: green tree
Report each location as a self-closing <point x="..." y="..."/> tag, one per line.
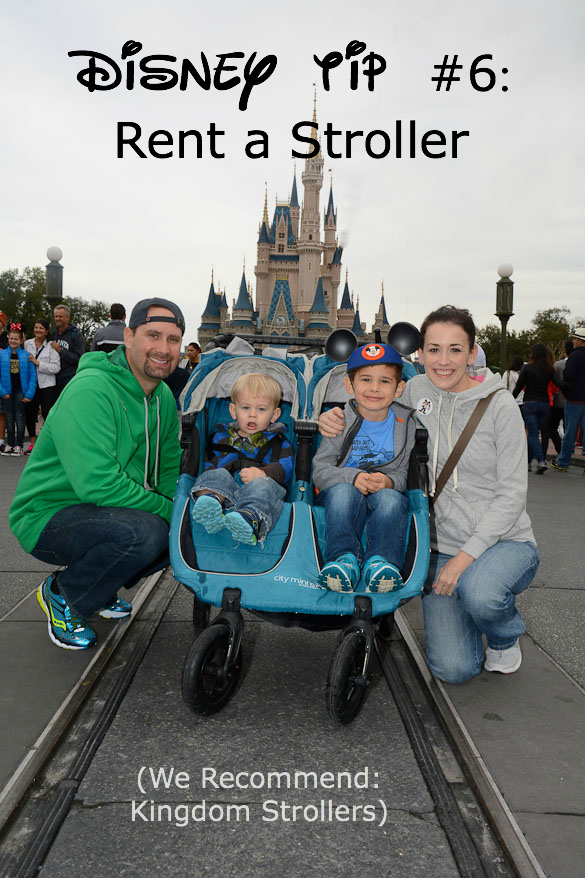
<point x="552" y="327"/>
<point x="23" y="299"/>
<point x="516" y="343"/>
<point x="87" y="316"/>
<point x="22" y="296"/>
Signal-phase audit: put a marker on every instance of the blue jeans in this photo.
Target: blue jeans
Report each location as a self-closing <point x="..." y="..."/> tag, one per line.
<point x="263" y="495"/>
<point x="104" y="548"/>
<point x="535" y="415"/>
<point x="14" y="408"/>
<point x="484" y="602"/>
<point x="384" y="515"/>
<point x="574" y="415"/>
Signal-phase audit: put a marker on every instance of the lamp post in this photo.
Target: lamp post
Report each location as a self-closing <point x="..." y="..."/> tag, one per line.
<point x="504" y="306"/>
<point x="54" y="277"/>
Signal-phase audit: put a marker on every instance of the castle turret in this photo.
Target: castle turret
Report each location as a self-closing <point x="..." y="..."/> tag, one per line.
<point x="294" y="207"/>
<point x="381" y="319"/>
<point x="211" y="318"/>
<point x="357" y="327"/>
<point x="309" y="245"/>
<point x="345" y="312"/>
<point x="242" y="314"/>
<point x="318" y="322"/>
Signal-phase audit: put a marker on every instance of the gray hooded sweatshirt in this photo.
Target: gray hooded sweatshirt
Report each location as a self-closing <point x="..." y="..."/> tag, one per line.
<point x="328" y="463"/>
<point x="484" y="500"/>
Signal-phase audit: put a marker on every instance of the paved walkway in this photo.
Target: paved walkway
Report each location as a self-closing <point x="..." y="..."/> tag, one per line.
<point x="529" y="729"/>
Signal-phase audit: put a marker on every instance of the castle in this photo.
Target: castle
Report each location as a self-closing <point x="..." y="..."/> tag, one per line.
<point x="297" y="274"/>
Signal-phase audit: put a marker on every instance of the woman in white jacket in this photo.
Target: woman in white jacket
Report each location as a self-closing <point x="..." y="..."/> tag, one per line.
<point x="47" y="363"/>
<point x="483" y="549"/>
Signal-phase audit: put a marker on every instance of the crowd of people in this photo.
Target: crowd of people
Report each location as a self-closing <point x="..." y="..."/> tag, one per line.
<point x="105" y="523"/>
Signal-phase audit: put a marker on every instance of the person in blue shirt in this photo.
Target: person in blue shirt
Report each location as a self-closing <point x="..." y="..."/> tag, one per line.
<point x="247" y="464"/>
<point x="361" y="475"/>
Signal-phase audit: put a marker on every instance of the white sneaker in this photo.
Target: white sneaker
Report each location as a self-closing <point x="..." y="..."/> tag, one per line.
<point x="6" y="449"/>
<point x="17" y="451"/>
<point x="504" y="661"/>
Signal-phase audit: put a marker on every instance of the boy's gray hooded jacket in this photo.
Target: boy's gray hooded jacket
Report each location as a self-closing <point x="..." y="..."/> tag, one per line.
<point x="484" y="500"/>
<point x="328" y="464"/>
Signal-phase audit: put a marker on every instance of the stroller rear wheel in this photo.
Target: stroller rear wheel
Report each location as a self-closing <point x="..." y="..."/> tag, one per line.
<point x="209" y="680"/>
<point x="347" y="679"/>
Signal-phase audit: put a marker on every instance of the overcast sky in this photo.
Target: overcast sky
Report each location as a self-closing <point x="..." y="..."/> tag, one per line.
<point x="434" y="231"/>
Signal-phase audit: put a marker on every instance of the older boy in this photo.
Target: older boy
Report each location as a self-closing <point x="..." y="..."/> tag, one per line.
<point x="248" y="464"/>
<point x="361" y="475"/>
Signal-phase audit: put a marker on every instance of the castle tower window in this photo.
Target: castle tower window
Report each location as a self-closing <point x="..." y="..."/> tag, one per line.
<point x="281" y="248"/>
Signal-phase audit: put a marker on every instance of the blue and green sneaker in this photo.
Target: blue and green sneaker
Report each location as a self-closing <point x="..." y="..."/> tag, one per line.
<point x="342" y="574"/>
<point x="243" y="526"/>
<point x="66" y="629"/>
<point x="118" y="609"/>
<point x="208" y="512"/>
<point x="380" y="576"/>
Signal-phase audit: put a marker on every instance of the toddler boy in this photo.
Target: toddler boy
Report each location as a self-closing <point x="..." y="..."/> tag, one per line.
<point x="361" y="475"/>
<point x="247" y="464"/>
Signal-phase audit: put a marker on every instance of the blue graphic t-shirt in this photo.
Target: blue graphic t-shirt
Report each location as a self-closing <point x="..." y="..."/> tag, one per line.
<point x="373" y="444"/>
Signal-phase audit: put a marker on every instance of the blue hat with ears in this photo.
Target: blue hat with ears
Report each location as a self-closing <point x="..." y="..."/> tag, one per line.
<point x="372" y="354"/>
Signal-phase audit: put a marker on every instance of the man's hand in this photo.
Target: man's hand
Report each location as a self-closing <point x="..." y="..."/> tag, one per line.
<point x="249" y="473"/>
<point x="446" y="581"/>
<point x="6" y="396"/>
<point x="25" y="399"/>
<point x="332" y="423"/>
<point x="55" y="346"/>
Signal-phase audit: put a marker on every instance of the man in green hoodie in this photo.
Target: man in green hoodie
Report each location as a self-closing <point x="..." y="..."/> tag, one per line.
<point x="96" y="494"/>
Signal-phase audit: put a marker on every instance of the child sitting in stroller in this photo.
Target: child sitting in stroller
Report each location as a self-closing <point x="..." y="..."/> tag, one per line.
<point x="361" y="475"/>
<point x="247" y="464"/>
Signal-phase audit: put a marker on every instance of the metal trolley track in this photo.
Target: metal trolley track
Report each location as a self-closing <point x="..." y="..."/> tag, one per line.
<point x="485" y="840"/>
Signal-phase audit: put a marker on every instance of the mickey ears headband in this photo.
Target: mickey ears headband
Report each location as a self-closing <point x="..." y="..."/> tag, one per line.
<point x="403" y="337"/>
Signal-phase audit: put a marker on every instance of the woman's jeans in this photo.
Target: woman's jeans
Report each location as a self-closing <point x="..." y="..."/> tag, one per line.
<point x="384" y="515"/>
<point x="263" y="496"/>
<point x="14" y="408"/>
<point x="535" y="415"/>
<point x="104" y="548"/>
<point x="574" y="415"/>
<point x="483" y="603"/>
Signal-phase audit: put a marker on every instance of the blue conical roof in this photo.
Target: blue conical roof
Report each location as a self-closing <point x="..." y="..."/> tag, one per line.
<point x="357" y="327"/>
<point x="384" y="315"/>
<point x="319" y="303"/>
<point x="346" y="303"/>
<point x="330" y="207"/>
<point x="212" y="307"/>
<point x="263" y="236"/>
<point x="294" y="199"/>
<point x="243" y="303"/>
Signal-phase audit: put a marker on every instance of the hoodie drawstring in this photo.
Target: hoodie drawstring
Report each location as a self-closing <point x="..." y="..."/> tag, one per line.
<point x="157" y="452"/>
<point x="436" y="448"/>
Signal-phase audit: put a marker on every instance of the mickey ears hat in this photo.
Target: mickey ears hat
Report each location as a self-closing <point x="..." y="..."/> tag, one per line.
<point x="140" y="314"/>
<point x="372" y="354"/>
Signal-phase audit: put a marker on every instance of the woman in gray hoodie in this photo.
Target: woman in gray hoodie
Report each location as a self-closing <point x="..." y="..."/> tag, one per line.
<point x="483" y="548"/>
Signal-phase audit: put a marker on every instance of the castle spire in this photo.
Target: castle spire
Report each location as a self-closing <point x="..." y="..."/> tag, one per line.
<point x="294" y="199"/>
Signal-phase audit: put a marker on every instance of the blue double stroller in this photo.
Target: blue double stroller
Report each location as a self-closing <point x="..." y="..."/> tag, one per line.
<point x="278" y="580"/>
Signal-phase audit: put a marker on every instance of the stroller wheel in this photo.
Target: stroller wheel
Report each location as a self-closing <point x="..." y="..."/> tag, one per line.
<point x="347" y="680"/>
<point x="208" y="680"/>
<point x="200" y="614"/>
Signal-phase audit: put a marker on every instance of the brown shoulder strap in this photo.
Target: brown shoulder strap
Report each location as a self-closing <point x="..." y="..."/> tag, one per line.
<point x="459" y="447"/>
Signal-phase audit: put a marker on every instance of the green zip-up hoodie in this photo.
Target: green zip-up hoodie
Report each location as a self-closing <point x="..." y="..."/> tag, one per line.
<point x="104" y="442"/>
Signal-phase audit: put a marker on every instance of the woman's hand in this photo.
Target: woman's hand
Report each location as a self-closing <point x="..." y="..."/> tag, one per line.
<point x="446" y="581"/>
<point x="25" y="399"/>
<point x="249" y="473"/>
<point x="32" y="360"/>
<point x="332" y="423"/>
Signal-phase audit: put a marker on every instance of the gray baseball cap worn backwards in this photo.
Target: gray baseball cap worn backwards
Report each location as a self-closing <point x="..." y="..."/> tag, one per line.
<point x="140" y="315"/>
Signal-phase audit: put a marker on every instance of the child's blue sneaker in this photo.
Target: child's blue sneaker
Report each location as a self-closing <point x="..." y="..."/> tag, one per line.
<point x="342" y="574"/>
<point x="243" y="526"/>
<point x="208" y="512"/>
<point x="380" y="576"/>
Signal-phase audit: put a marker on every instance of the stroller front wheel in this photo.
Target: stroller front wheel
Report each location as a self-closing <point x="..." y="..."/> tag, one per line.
<point x="347" y="679"/>
<point x="209" y="679"/>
